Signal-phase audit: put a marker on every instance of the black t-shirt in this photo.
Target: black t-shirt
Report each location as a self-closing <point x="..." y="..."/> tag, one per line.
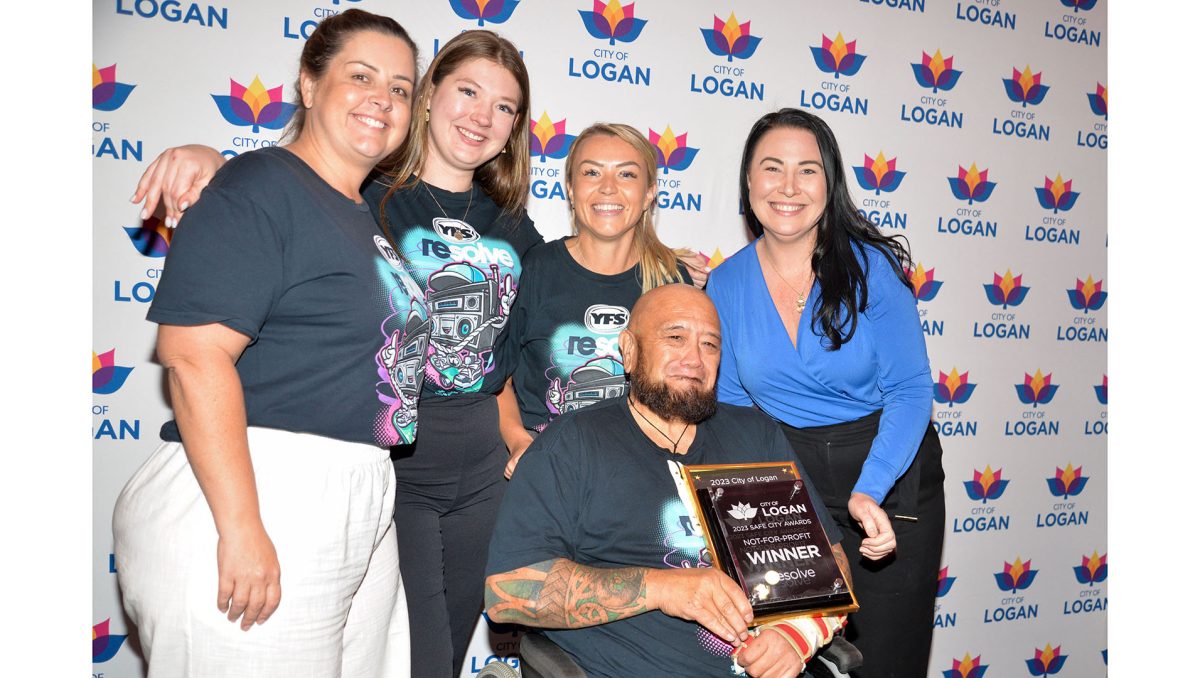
<point x="595" y="490"/>
<point x="565" y="330"/>
<point x="466" y="254"/>
<point x="338" y="328"/>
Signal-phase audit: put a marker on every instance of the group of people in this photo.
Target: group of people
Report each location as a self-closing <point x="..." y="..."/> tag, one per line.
<point x="364" y="335"/>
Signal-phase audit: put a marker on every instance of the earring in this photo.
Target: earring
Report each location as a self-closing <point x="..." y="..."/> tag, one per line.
<point x="426" y="115"/>
<point x="504" y="150"/>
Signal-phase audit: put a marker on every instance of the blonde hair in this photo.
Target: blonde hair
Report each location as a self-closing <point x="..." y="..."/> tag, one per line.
<point x="659" y="265"/>
<point x="505" y="177"/>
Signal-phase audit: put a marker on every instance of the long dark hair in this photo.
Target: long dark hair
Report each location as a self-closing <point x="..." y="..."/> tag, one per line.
<point x="842" y="233"/>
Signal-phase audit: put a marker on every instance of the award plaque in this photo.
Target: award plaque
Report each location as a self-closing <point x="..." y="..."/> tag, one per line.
<point x="763" y="531"/>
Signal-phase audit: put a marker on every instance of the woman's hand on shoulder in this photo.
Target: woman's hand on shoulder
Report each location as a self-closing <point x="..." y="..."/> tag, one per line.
<point x="176" y="178"/>
<point x="697" y="265"/>
<point x="881" y="540"/>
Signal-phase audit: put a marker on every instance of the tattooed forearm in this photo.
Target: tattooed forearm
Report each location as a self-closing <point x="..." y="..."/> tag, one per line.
<point x="560" y="593"/>
<point x="839" y="556"/>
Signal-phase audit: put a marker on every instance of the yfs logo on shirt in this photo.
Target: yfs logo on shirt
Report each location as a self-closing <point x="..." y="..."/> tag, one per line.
<point x="455" y="231"/>
<point x="605" y="319"/>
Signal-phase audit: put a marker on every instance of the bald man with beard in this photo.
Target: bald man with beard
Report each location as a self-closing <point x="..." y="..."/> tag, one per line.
<point x="593" y="542"/>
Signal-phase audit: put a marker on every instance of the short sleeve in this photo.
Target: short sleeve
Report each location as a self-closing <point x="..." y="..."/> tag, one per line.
<point x="540" y="511"/>
<point x="225" y="266"/>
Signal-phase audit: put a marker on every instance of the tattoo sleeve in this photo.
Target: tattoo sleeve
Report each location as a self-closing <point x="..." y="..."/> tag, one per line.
<point x="559" y="593"/>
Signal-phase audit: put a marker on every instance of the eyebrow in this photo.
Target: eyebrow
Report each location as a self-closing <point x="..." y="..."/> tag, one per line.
<point x="804" y="162"/>
<point x="600" y="164"/>
<point x="376" y="70"/>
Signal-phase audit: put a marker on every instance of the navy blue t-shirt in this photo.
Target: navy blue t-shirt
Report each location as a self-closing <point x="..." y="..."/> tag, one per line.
<point x="466" y="255"/>
<point x="338" y="328"/>
<point x="565" y="329"/>
<point x="595" y="490"/>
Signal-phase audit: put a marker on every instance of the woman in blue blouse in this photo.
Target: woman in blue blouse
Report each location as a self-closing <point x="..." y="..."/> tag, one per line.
<point x="820" y="330"/>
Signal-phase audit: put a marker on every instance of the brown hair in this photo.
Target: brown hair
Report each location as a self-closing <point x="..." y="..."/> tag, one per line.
<point x="327" y="39"/>
<point x="505" y="177"/>
<point x="659" y="264"/>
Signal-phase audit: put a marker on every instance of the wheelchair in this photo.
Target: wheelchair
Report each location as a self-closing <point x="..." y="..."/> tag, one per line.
<point x="542" y="658"/>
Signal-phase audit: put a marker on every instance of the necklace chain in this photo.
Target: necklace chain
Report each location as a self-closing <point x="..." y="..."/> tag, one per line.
<point x="801" y="300"/>
<point x="674" y="443"/>
<point x="470" y="197"/>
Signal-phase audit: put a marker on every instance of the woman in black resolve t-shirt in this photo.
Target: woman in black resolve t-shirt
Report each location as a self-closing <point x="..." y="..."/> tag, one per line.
<point x="577" y="292"/>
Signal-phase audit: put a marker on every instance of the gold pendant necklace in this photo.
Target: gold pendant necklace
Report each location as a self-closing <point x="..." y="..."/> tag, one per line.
<point x="443" y="210"/>
<point x="801" y="300"/>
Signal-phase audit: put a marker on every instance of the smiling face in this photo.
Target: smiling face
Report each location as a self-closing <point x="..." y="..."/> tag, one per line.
<point x="609" y="187"/>
<point x="472" y="112"/>
<point x="360" y="108"/>
<point x="788" y="191"/>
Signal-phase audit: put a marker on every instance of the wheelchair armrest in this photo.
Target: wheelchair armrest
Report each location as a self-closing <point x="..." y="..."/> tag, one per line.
<point x="541" y="658"/>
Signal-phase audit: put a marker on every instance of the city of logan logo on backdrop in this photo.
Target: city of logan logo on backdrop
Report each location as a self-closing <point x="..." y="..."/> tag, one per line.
<point x="728" y="76"/>
<point x="1098" y="425"/>
<point x="1061" y="508"/>
<point x="301" y="27"/>
<point x="967" y="667"/>
<point x="256" y="107"/>
<point x="1097" y="136"/>
<point x="970" y="186"/>
<point x="925" y="288"/>
<point x="1090" y="571"/>
<point x="1047" y="661"/>
<point x="1073" y="27"/>
<point x="1087" y="297"/>
<point x="1056" y="196"/>
<point x="992" y="15"/>
<point x="610" y="24"/>
<point x="984" y="486"/>
<point x="915" y="6"/>
<point x="104" y="644"/>
<point x="1035" y="390"/>
<point x="1013" y="580"/>
<point x="935" y="74"/>
<point x="836" y="59"/>
<point x="107" y="378"/>
<point x="548" y="140"/>
<point x="191" y="14"/>
<point x="1007" y="293"/>
<point x="944" y="619"/>
<point x="954" y="389"/>
<point x="1024" y="87"/>
<point x="484" y="11"/>
<point x="108" y="95"/>
<point x="877" y="176"/>
<point x="673" y="154"/>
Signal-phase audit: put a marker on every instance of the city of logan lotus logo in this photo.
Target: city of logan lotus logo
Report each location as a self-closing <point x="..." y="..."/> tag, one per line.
<point x="612" y="22"/>
<point x="1006" y="291"/>
<point x="1088" y="295"/>
<point x="1102" y="391"/>
<point x="1036" y="390"/>
<point x="967" y="667"/>
<point x="107" y="376"/>
<point x="1067" y="482"/>
<point x="672" y="151"/>
<point x="986" y="485"/>
<point x="935" y="72"/>
<point x="925" y="288"/>
<point x="1016" y="576"/>
<point x="945" y="581"/>
<point x="1085" y="5"/>
<point x="254" y="106"/>
<point x="151" y="239"/>
<point x="104" y="644"/>
<point x="838" y="56"/>
<point x="1057" y="195"/>
<point x="549" y="139"/>
<point x="730" y="39"/>
<point x="743" y="511"/>
<point x="1026" y="88"/>
<point x="971" y="185"/>
<point x="951" y="389"/>
<point x="879" y="174"/>
<point x="1099" y="101"/>
<point x="107" y="93"/>
<point x="491" y="11"/>
<point x="1047" y="661"/>
<point x="1092" y="569"/>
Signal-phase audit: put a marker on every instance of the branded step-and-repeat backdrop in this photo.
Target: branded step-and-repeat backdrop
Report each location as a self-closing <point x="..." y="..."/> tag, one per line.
<point x="976" y="128"/>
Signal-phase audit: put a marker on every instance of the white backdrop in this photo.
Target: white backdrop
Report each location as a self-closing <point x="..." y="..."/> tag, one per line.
<point x="1024" y="431"/>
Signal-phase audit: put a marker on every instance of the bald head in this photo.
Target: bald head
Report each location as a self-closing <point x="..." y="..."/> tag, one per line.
<point x="671" y="350"/>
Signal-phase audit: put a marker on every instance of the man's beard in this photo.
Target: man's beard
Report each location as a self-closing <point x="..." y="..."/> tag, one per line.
<point x="691" y="406"/>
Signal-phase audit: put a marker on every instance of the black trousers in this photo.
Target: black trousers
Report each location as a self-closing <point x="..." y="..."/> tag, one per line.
<point x="448" y="490"/>
<point x="894" y="625"/>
